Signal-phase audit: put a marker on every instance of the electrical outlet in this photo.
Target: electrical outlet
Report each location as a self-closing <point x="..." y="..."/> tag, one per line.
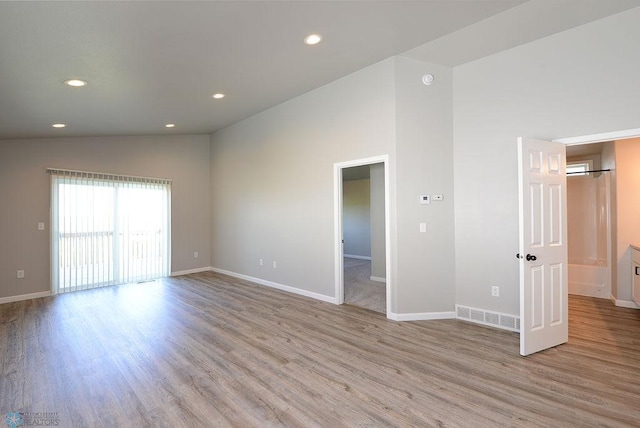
<point x="21" y="274"/>
<point x="261" y="262"/>
<point x="41" y="226"/>
<point x="495" y="291"/>
<point x="275" y="265"/>
<point x="195" y="254"/>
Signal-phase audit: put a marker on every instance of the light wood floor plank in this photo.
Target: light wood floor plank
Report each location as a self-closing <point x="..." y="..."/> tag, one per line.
<point x="210" y="350"/>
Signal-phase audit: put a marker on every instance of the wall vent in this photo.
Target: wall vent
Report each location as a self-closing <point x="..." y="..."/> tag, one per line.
<point x="477" y="315"/>
<point x="462" y="312"/>
<point x="490" y="318"/>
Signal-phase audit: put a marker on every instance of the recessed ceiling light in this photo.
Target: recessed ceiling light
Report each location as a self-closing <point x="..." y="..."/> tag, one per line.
<point x="75" y="83"/>
<point x="170" y="125"/>
<point x="59" y="125"/>
<point x="312" y="39"/>
<point x="218" y="96"/>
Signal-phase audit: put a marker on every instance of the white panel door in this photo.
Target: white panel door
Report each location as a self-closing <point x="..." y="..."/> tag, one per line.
<point x="543" y="245"/>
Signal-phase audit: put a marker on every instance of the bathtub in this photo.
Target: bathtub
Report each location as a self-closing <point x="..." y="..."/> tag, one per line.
<point x="589" y="277"/>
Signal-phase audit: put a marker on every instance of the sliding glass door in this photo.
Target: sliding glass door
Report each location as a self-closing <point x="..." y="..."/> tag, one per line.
<point x="108" y="229"/>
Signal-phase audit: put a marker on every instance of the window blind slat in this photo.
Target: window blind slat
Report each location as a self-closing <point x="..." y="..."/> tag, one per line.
<point x="108" y="229"/>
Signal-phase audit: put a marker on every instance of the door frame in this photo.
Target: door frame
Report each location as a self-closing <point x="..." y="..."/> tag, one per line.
<point x="585" y="139"/>
<point x="599" y="138"/>
<point x="338" y="224"/>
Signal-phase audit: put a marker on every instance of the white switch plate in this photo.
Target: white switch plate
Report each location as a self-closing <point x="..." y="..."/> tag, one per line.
<point x="275" y="265"/>
<point x="261" y="262"/>
<point x="20" y="274"/>
<point x="495" y="291"/>
<point x="437" y="197"/>
<point x="41" y="226"/>
<point x="195" y="255"/>
<point x="424" y="199"/>
<point x="423" y="227"/>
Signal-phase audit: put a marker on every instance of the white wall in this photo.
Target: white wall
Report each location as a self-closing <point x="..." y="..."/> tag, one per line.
<point x="378" y="249"/>
<point x="356" y="220"/>
<point x="425" y="261"/>
<point x="272" y="178"/>
<point x="272" y="183"/>
<point x="25" y="195"/>
<point x="579" y="82"/>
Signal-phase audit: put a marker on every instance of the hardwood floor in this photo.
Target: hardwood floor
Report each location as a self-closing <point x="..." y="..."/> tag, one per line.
<point x="359" y="290"/>
<point x="209" y="350"/>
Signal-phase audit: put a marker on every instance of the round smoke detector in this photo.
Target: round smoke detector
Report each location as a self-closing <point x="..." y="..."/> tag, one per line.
<point x="427" y="79"/>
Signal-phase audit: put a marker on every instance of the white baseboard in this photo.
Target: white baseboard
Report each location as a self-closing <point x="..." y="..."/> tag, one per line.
<point x="24" y="297"/>
<point x="306" y="293"/>
<point x="625" y="303"/>
<point x="422" y="316"/>
<point x="589" y="289"/>
<point x="488" y="318"/>
<point x="188" y="271"/>
<point x="377" y="279"/>
<point x="353" y="256"/>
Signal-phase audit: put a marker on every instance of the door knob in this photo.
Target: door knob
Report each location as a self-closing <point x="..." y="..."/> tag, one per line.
<point x="531" y="258"/>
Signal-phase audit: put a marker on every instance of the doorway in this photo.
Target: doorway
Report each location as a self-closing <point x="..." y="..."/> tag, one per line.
<point x="108" y="229"/>
<point x="362" y="233"/>
<point x="589" y="213"/>
<point x="363" y="236"/>
<point x="623" y="156"/>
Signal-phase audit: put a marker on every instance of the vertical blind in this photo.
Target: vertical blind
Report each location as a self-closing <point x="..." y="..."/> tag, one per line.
<point x="108" y="229"/>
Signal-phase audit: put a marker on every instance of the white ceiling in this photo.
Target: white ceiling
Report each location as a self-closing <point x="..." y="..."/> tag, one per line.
<point x="149" y="63"/>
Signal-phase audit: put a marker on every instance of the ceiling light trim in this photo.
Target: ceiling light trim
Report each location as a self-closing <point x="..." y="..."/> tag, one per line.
<point x="75" y="83"/>
<point x="313" y="39"/>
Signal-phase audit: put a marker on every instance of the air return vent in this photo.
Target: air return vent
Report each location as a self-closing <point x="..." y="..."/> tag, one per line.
<point x="492" y="319"/>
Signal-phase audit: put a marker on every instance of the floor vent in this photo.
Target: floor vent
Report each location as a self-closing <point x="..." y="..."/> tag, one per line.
<point x="490" y="318"/>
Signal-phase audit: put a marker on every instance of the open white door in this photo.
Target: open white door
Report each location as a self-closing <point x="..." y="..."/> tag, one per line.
<point x="543" y="245"/>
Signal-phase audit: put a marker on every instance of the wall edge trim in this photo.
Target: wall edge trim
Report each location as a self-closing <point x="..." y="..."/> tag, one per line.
<point x="28" y="296"/>
<point x="281" y="287"/>
<point x="421" y="316"/>
<point x="355" y="256"/>
<point x="190" y="271"/>
<point x="625" y="303"/>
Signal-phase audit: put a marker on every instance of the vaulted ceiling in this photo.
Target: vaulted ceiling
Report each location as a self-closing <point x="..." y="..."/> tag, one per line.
<point x="150" y="63"/>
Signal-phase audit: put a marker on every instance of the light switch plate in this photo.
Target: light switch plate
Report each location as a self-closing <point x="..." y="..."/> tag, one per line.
<point x="41" y="226"/>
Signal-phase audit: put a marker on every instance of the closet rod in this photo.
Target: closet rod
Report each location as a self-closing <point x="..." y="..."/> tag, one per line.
<point x="588" y="172"/>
